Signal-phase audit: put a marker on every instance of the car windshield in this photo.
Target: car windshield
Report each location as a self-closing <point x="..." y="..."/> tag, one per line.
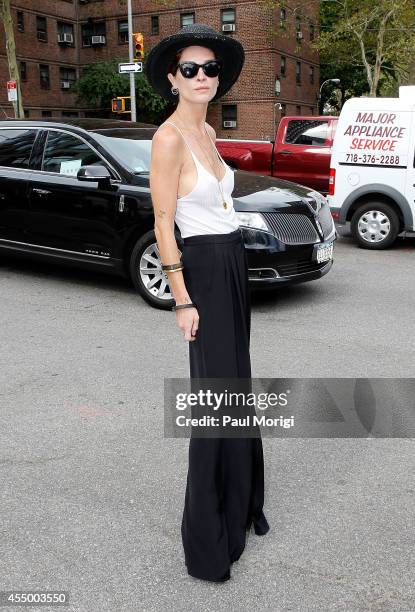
<point x="132" y="153"/>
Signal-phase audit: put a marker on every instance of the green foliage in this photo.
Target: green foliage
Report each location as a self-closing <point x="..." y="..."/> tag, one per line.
<point x="101" y="82"/>
<point x="373" y="40"/>
<point x="367" y="44"/>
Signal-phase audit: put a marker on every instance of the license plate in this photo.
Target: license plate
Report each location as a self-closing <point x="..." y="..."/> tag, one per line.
<point x="323" y="252"/>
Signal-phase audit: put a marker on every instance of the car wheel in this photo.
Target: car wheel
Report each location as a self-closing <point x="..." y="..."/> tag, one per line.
<point x="146" y="273"/>
<point x="375" y="225"/>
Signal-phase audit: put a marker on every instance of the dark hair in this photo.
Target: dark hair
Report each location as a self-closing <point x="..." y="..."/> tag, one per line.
<point x="174" y="64"/>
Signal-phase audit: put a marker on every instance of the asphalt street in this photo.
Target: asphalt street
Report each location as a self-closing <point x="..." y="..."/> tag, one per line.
<point x="92" y="493"/>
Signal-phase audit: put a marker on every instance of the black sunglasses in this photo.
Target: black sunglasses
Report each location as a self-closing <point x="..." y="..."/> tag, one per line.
<point x="190" y="69"/>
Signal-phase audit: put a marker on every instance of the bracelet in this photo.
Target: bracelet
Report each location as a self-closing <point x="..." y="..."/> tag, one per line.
<point x="171" y="266"/>
<point x="190" y="305"/>
<point x="176" y="269"/>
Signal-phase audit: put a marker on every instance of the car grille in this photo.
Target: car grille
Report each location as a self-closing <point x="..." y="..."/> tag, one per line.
<point x="299" y="267"/>
<point x="292" y="228"/>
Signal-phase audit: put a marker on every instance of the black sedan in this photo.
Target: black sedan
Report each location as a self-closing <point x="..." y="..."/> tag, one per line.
<point x="77" y="191"/>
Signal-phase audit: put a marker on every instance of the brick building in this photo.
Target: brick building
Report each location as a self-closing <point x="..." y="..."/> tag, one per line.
<point x="56" y="38"/>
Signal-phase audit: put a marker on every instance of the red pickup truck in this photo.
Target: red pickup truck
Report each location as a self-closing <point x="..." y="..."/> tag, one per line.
<point x="300" y="152"/>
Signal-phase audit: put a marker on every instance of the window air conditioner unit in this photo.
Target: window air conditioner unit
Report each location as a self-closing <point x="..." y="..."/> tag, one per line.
<point x="98" y="40"/>
<point x="229" y="124"/>
<point x="300" y="35"/>
<point x="65" y="38"/>
<point x="65" y="85"/>
<point x="228" y="27"/>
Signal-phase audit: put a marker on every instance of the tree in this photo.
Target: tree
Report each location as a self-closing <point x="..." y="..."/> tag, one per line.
<point x="368" y="44"/>
<point x="11" y="55"/>
<point x="101" y="82"/>
<point x="352" y="78"/>
<point x="377" y="37"/>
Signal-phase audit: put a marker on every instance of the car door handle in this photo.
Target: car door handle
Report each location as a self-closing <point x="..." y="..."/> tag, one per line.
<point x="41" y="191"/>
<point x="286" y="152"/>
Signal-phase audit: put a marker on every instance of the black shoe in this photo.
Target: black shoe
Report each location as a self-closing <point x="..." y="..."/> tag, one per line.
<point x="259" y="523"/>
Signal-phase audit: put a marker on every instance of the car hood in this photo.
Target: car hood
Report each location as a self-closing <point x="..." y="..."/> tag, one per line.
<point x="257" y="192"/>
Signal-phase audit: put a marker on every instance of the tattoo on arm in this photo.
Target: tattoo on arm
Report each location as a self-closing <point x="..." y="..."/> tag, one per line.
<point x="161" y="213"/>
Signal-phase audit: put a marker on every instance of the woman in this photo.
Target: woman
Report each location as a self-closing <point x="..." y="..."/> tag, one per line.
<point x="225" y="481"/>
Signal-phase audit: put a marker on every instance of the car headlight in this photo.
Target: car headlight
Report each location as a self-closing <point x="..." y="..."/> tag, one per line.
<point x="254" y="220"/>
<point x="319" y="198"/>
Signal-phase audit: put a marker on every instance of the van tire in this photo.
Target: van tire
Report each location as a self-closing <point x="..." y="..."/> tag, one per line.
<point x="147" y="246"/>
<point x="388" y="216"/>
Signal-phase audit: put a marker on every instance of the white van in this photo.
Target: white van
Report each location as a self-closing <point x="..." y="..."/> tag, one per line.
<point x="372" y="174"/>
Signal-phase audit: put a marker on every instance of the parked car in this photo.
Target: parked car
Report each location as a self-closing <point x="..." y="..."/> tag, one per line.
<point x="300" y="151"/>
<point x="372" y="178"/>
<point x="78" y="192"/>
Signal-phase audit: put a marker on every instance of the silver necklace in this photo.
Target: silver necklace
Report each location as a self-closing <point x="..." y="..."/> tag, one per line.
<point x="224" y="203"/>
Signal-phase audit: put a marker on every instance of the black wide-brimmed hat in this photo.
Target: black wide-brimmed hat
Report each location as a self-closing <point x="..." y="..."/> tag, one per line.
<point x="227" y="49"/>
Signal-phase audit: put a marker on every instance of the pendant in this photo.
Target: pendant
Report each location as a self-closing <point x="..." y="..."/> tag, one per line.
<point x="225" y="205"/>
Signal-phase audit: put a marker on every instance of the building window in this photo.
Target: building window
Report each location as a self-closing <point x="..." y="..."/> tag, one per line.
<point x="227" y="17"/>
<point x="283" y="17"/>
<point x="298" y="73"/>
<point x="229" y="116"/>
<point x="46" y="113"/>
<point x="44" y="76"/>
<point x="26" y="113"/>
<point x="187" y="19"/>
<point x="283" y="66"/>
<point x="311" y="110"/>
<point x="67" y="77"/>
<point x="155" y="25"/>
<point x="86" y="34"/>
<point x="69" y="114"/>
<point x="41" y="29"/>
<point x="122" y="32"/>
<point x="283" y="110"/>
<point x="312" y="31"/>
<point x="20" y="21"/>
<point x="65" y="33"/>
<point x="23" y="71"/>
<point x="298" y="110"/>
<point x="93" y="33"/>
<point x="298" y="23"/>
<point x="311" y="74"/>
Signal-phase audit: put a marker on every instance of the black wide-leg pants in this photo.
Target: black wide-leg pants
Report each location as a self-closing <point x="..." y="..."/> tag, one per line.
<point x="225" y="480"/>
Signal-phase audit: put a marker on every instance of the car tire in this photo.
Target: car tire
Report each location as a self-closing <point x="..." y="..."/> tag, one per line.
<point x="375" y="225"/>
<point x="146" y="273"/>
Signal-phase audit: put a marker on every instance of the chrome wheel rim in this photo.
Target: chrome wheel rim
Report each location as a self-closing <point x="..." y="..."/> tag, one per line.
<point x="152" y="276"/>
<point x="373" y="226"/>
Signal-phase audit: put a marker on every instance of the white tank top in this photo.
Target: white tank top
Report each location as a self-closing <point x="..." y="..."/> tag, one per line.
<point x="201" y="211"/>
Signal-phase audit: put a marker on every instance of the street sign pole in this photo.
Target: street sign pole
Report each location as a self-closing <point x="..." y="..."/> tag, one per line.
<point x="13" y="96"/>
<point x="131" y="53"/>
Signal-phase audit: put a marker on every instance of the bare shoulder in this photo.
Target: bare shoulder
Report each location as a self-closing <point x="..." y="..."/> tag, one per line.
<point x="211" y="131"/>
<point x="166" y="148"/>
<point x="168" y="138"/>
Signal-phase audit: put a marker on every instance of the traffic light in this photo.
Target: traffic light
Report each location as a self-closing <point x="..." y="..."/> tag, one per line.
<point x="121" y="104"/>
<point x="138" y="47"/>
<point x="118" y="105"/>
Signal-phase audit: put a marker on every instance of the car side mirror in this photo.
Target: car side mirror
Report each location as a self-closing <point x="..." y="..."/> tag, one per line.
<point x="93" y="173"/>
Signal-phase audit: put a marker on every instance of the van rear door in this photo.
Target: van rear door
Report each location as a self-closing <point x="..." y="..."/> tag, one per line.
<point x="410" y="175"/>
